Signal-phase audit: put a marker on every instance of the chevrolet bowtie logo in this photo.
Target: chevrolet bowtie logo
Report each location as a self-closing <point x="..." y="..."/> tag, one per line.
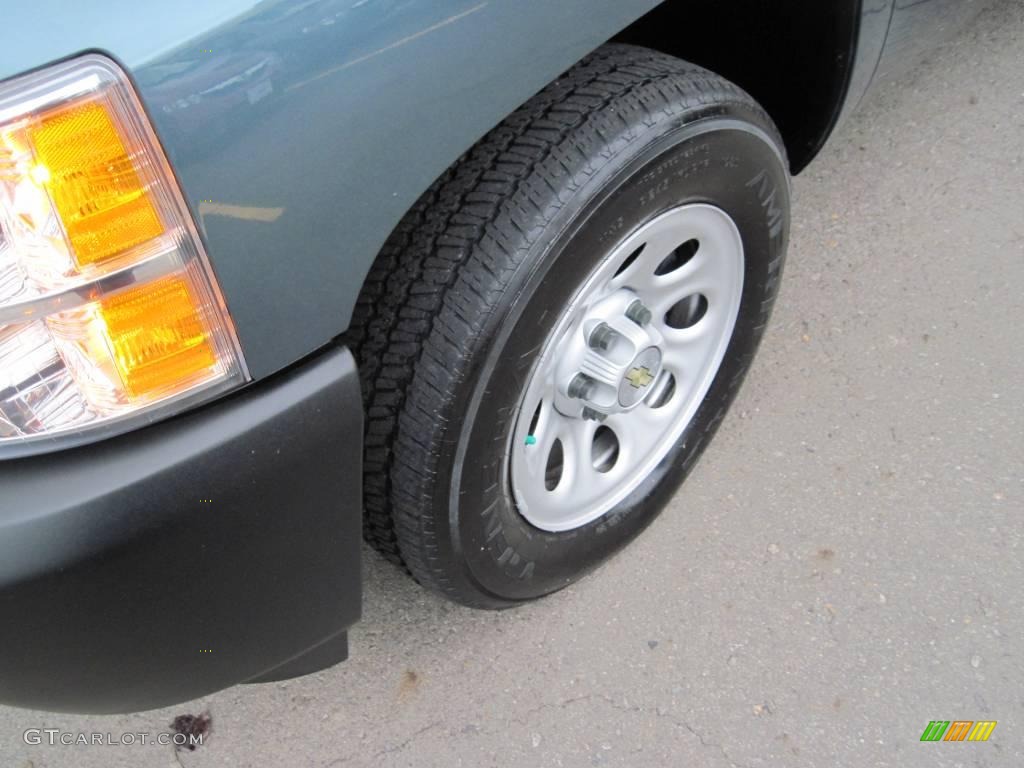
<point x="640" y="377"/>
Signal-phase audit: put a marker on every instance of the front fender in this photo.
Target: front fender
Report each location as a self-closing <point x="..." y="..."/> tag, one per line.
<point x="303" y="131"/>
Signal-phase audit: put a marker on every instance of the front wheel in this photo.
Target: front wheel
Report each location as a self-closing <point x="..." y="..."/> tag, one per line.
<point x="551" y="336"/>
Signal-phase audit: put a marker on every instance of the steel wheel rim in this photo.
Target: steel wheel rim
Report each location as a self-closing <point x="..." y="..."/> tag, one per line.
<point x="613" y="389"/>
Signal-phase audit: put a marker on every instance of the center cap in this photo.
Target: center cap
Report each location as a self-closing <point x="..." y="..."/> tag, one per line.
<point x="640" y="374"/>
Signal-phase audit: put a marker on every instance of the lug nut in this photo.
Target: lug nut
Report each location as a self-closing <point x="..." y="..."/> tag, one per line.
<point x="638" y="313"/>
<point x="601" y="337"/>
<point x="589" y="414"/>
<point x="581" y="386"/>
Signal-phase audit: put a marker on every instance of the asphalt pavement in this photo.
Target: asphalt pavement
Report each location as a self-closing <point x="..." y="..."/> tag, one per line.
<point x="845" y="564"/>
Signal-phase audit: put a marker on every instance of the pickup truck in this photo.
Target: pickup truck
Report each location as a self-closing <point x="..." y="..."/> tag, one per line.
<point x="473" y="280"/>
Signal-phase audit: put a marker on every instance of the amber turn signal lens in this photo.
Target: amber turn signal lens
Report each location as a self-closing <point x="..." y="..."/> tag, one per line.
<point x="159" y="338"/>
<point x="110" y="313"/>
<point x="92" y="179"/>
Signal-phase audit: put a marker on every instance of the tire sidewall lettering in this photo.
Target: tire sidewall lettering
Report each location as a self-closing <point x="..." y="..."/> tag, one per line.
<point x="723" y="161"/>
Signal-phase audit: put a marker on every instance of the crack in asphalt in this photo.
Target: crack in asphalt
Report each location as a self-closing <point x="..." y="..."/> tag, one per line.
<point x="392" y="749"/>
<point x="523" y="720"/>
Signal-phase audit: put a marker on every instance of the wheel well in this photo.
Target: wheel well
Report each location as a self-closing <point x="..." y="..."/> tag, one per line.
<point x="794" y="56"/>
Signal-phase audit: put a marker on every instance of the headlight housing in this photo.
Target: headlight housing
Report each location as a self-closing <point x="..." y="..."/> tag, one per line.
<point x="109" y="311"/>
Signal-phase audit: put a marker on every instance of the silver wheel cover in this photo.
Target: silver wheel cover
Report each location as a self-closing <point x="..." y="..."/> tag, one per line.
<point x="626" y="367"/>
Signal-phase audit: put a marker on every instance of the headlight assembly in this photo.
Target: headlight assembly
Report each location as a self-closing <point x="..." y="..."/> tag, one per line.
<point x="110" y="315"/>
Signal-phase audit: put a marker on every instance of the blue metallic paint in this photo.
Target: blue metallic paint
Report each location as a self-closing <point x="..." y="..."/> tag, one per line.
<point x="875" y="16"/>
<point x="296" y="192"/>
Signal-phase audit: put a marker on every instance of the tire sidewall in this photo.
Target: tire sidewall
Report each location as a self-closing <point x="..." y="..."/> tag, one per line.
<point x="726" y="159"/>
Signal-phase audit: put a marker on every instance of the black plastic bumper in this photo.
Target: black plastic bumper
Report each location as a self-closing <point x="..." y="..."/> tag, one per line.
<point x="187" y="556"/>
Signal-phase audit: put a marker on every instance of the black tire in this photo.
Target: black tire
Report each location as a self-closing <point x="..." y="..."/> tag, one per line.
<point x="469" y="284"/>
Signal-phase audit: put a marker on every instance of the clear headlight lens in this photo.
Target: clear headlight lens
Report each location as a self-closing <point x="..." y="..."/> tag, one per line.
<point x="108" y="306"/>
